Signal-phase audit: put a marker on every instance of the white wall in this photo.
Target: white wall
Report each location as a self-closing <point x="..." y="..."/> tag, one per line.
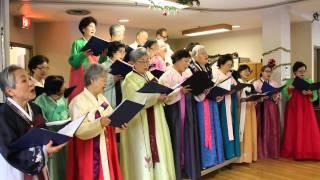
<point x="54" y="40"/>
<point x="248" y="43"/>
<point x="315" y="43"/>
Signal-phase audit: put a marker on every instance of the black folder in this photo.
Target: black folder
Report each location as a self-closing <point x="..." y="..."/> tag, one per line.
<point x="124" y="113"/>
<point x="198" y="82"/>
<point x="96" y="45"/>
<point x="154" y="87"/>
<point x="68" y="91"/>
<point x="240" y="86"/>
<point x="301" y="85"/>
<point x="217" y="91"/>
<point x="270" y="90"/>
<point x="157" y="73"/>
<point x="254" y="97"/>
<point x="120" y="68"/>
<point x="40" y="136"/>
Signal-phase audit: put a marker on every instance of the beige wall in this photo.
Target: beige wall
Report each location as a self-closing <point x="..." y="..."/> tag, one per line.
<point x="23" y="36"/>
<point x="301" y="44"/>
<point x="54" y="40"/>
<point x="248" y="43"/>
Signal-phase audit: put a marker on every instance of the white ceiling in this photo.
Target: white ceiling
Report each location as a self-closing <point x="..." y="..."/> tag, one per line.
<point x="246" y="13"/>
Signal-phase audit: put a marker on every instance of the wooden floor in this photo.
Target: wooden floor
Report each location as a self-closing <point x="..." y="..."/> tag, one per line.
<point x="281" y="169"/>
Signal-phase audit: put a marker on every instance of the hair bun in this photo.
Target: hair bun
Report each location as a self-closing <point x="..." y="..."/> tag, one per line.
<point x="271" y="63"/>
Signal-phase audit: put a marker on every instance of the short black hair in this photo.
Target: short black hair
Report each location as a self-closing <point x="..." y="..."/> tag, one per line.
<point x="114" y="47"/>
<point x="53" y="84"/>
<point x="149" y="43"/>
<point x="35" y="61"/>
<point x="160" y="31"/>
<point x="85" y="22"/>
<point x="242" y="67"/>
<point x="223" y="59"/>
<point x="191" y="45"/>
<point x="297" y="65"/>
<point x="179" y="54"/>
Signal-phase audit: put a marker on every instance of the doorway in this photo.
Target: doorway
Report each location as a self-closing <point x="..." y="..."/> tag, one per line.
<point x="20" y="54"/>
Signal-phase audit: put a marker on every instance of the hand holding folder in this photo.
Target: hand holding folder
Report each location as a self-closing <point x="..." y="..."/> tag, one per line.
<point x="198" y="82"/>
<point x="96" y="45"/>
<point x="154" y="87"/>
<point x="270" y="90"/>
<point x="303" y="85"/>
<point x="125" y="112"/>
<point x="40" y="136"/>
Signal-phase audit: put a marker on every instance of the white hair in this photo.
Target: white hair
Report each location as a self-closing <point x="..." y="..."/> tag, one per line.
<point x="196" y="49"/>
<point x="116" y="29"/>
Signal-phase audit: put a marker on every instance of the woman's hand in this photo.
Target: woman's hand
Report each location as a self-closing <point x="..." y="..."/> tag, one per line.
<point x="219" y="98"/>
<point x="117" y="78"/>
<point x="105" y="121"/>
<point x="186" y="89"/>
<point x="307" y="93"/>
<point x="122" y="128"/>
<point x="53" y="149"/>
<point x="104" y="53"/>
<point x="88" y="52"/>
<point x="162" y="98"/>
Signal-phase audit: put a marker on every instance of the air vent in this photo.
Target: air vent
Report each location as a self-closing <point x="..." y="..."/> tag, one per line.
<point x="78" y="12"/>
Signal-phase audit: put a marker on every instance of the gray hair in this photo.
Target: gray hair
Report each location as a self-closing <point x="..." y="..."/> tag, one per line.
<point x="141" y="31"/>
<point x="116" y="29"/>
<point x="138" y="53"/>
<point x="94" y="71"/>
<point x="7" y="78"/>
<point x="195" y="50"/>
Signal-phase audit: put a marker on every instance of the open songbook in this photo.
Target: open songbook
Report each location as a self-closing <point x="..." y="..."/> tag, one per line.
<point x="125" y="111"/>
<point x="267" y="91"/>
<point x="301" y="84"/>
<point x="198" y="82"/>
<point x="40" y="136"/>
<point x="120" y="68"/>
<point x="96" y="45"/>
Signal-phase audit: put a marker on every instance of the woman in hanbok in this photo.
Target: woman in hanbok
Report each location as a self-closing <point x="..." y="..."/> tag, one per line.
<point x="181" y="117"/>
<point x="156" y="61"/>
<point x="113" y="92"/>
<point x="211" y="147"/>
<point x="93" y="152"/>
<point x="247" y="119"/>
<point x="301" y="130"/>
<point x="54" y="108"/>
<point x="38" y="67"/>
<point x="268" y="118"/>
<point x="228" y="108"/>
<point x="145" y="147"/>
<point x="79" y="60"/>
<point x="17" y="117"/>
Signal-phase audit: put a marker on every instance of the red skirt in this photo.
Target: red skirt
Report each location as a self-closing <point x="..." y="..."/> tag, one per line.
<point x="301" y="132"/>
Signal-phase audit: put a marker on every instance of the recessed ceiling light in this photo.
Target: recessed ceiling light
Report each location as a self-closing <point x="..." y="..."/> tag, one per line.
<point x="124" y="20"/>
<point x="78" y="12"/>
<point x="235" y="26"/>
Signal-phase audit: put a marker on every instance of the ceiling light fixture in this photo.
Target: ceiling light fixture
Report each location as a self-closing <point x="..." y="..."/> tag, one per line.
<point x="218" y="28"/>
<point x="123" y="20"/>
<point x="235" y="26"/>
